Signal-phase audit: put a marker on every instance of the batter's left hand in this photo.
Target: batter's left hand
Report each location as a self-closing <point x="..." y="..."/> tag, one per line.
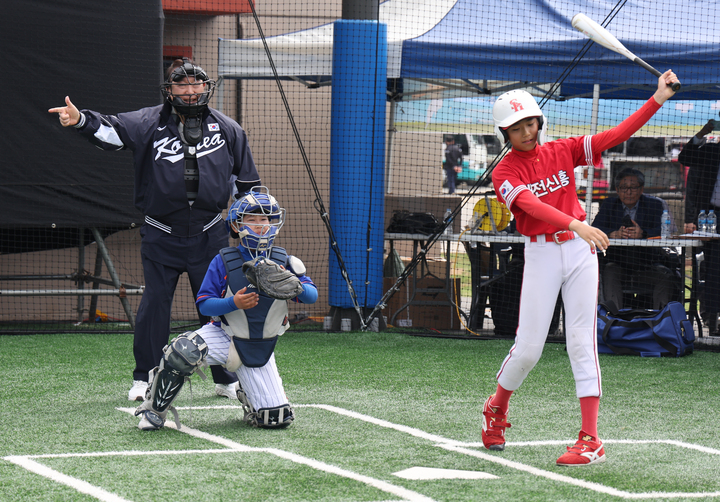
<point x="593" y="236"/>
<point x="664" y="90"/>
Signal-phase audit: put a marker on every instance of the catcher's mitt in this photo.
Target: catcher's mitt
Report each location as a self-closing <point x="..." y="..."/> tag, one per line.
<point x="272" y="279"/>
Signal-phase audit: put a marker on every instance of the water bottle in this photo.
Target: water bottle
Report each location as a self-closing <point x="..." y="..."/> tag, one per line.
<point x="702" y="221"/>
<point x="711" y="221"/>
<point x="665" y="224"/>
<point x="448" y="218"/>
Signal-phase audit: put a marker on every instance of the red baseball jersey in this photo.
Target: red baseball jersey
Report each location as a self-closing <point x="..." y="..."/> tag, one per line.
<point x="548" y="173"/>
<point x="539" y="186"/>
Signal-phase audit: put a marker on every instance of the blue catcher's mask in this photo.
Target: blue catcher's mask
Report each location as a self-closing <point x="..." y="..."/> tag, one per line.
<point x="257" y="202"/>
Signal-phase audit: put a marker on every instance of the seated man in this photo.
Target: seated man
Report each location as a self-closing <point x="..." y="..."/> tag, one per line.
<point x="634" y="215"/>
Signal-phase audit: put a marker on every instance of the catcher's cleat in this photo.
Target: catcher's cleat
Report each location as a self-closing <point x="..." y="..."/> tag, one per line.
<point x="137" y="391"/>
<point x="151" y="420"/>
<point x="587" y="450"/>
<point x="493" y="426"/>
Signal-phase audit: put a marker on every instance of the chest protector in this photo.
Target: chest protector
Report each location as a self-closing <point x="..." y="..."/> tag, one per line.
<point x="254" y="331"/>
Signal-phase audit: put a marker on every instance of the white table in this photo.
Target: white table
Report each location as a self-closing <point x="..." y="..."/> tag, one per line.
<point x="481" y="279"/>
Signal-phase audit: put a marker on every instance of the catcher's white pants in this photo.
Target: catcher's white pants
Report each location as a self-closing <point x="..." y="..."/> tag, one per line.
<point x="572" y="268"/>
<point x="263" y="386"/>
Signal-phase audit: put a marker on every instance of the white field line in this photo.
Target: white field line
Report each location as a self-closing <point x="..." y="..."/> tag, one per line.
<point x="573" y="481"/>
<point x="459" y="447"/>
<point x="299" y="459"/>
<point x="77" y="484"/>
<point x="448" y="444"/>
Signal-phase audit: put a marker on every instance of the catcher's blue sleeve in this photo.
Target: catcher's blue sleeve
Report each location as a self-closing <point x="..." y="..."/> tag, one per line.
<point x="214" y="282"/>
<point x="309" y="294"/>
<point x="217" y="306"/>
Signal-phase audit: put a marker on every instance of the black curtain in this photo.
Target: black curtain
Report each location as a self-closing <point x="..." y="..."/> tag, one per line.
<point x="107" y="56"/>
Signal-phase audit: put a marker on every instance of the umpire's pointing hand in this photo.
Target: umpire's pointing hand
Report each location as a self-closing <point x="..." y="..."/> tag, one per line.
<point x="69" y="115"/>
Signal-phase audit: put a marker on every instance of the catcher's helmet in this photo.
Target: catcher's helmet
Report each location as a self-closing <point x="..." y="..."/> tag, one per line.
<point x="186" y="71"/>
<point x="514" y="106"/>
<point x="256" y="201"/>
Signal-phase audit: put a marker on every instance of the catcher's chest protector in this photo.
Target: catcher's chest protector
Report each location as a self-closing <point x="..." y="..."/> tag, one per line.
<point x="255" y="330"/>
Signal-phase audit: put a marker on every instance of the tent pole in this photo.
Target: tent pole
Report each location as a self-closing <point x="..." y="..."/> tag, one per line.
<point x="219" y="88"/>
<point x="391" y="138"/>
<point x="593" y="130"/>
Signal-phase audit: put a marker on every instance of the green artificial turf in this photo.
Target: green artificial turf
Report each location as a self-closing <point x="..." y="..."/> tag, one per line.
<point x="411" y="400"/>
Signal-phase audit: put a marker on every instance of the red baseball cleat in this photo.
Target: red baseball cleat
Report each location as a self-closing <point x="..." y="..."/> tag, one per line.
<point x="493" y="426"/>
<point x="588" y="450"/>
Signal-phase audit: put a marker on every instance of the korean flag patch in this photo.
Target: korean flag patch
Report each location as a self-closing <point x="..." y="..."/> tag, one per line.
<point x="505" y="189"/>
<point x="213" y="127"/>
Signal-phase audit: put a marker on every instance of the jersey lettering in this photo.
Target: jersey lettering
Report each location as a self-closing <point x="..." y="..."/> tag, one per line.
<point x="172" y="150"/>
<point x="549" y="184"/>
<point x="169" y="146"/>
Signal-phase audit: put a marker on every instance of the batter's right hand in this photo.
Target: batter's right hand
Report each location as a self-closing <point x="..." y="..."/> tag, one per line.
<point x="69" y="115"/>
<point x="593" y="236"/>
<point x="245" y="300"/>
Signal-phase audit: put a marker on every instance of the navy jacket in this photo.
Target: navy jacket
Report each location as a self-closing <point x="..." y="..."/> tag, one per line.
<point x="152" y="134"/>
<point x="610" y="217"/>
<point x="612" y="211"/>
<point x="453" y="156"/>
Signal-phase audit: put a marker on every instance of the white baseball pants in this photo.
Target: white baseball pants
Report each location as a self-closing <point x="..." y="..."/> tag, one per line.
<point x="263" y="386"/>
<point x="570" y="267"/>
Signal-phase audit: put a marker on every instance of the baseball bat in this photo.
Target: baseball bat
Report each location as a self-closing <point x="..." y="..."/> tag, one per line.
<point x="600" y="35"/>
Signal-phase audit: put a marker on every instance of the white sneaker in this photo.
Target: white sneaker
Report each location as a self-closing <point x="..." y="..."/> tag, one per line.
<point x="229" y="390"/>
<point x="137" y="391"/>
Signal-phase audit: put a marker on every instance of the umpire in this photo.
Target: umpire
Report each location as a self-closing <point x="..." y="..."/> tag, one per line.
<point x="187" y="157"/>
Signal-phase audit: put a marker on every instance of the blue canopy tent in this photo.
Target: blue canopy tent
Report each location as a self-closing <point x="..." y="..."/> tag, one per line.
<point x="440" y="49"/>
<point x="451" y="48"/>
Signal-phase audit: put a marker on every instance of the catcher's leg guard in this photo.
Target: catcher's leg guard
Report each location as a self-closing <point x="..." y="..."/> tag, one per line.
<point x="182" y="357"/>
<point x="267" y="418"/>
<point x="270" y="418"/>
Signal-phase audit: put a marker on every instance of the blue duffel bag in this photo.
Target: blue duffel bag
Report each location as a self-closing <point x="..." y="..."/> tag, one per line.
<point x="646" y="333"/>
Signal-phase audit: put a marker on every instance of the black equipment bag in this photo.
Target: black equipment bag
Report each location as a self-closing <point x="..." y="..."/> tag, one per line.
<point x="404" y="222"/>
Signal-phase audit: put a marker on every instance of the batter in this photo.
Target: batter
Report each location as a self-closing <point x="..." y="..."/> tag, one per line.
<point x="536" y="182"/>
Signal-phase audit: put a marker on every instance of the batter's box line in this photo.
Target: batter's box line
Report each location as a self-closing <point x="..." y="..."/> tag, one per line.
<point x="461" y="447"/>
<point x="464" y="448"/>
<point x="29" y="463"/>
<point x="398" y="491"/>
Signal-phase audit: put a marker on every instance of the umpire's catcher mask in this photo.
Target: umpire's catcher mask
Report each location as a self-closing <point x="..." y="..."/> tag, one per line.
<point x="197" y="102"/>
<point x="257" y="201"/>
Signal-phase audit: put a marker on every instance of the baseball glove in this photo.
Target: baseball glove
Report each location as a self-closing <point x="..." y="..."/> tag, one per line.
<point x="272" y="279"/>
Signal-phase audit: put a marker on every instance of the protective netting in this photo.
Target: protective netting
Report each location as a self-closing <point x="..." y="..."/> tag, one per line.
<point x="347" y="122"/>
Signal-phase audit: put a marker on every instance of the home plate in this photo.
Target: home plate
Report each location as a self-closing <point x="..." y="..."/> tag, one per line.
<point x="433" y="473"/>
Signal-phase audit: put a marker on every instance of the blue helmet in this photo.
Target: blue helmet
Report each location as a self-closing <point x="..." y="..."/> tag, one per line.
<point x="256" y="201"/>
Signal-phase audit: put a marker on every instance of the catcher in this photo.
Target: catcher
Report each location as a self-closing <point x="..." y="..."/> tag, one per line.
<point x="245" y="290"/>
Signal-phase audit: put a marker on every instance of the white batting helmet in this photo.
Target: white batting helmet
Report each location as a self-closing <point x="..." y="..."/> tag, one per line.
<point x="514" y="106"/>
